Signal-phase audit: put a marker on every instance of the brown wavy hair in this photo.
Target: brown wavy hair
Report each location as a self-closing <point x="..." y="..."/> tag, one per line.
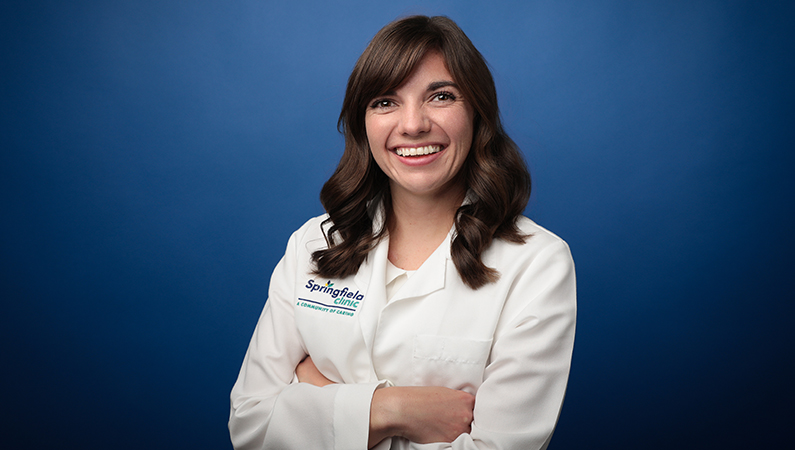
<point x="494" y="172"/>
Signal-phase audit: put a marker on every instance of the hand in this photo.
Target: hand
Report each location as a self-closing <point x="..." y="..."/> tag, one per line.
<point x="307" y="373"/>
<point x="421" y="414"/>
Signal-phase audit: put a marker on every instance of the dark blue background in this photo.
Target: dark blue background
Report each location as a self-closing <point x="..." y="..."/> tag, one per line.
<point x="156" y="155"/>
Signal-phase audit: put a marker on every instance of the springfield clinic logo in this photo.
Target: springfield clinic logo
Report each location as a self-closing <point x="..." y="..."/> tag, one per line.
<point x="341" y="301"/>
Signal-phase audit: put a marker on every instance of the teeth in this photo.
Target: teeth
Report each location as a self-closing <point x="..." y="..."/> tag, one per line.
<point x="419" y="151"/>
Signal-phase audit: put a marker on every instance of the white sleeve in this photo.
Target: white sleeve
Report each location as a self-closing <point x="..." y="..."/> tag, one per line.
<point x="518" y="404"/>
<point x="268" y="411"/>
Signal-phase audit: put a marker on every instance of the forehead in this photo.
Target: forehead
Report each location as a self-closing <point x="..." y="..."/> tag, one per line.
<point x="430" y="70"/>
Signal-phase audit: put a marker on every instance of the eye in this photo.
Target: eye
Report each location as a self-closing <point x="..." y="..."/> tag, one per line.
<point x="443" y="96"/>
<point x="382" y="103"/>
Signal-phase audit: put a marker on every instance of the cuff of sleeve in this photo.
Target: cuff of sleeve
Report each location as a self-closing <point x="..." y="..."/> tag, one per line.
<point x="352" y="414"/>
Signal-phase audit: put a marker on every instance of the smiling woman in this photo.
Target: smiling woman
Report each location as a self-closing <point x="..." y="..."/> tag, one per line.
<point x="420" y="134"/>
<point x="423" y="308"/>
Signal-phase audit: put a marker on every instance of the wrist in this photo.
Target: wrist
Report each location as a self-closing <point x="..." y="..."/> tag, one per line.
<point x="385" y="415"/>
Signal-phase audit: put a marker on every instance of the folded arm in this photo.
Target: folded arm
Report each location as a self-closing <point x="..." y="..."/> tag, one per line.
<point x="421" y="414"/>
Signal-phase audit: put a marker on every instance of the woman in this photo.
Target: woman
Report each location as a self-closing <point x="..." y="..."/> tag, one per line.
<point x="423" y="308"/>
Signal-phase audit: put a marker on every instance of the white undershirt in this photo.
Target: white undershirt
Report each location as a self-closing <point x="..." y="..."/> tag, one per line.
<point x="395" y="278"/>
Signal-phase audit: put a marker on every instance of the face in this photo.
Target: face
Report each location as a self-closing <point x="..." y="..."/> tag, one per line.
<point x="421" y="132"/>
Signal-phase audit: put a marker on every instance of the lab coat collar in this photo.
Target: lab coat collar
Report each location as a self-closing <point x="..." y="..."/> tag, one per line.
<point x="429" y="277"/>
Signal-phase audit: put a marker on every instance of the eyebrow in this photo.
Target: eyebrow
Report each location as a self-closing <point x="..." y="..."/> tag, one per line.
<point x="431" y="87"/>
<point x="440" y="84"/>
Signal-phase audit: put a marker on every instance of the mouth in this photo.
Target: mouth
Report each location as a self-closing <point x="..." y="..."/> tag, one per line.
<point x="418" y="151"/>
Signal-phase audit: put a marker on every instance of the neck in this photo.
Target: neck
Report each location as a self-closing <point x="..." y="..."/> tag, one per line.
<point x="418" y="224"/>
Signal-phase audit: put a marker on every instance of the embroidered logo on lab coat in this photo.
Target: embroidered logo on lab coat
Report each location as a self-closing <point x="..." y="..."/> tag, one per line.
<point x="343" y="301"/>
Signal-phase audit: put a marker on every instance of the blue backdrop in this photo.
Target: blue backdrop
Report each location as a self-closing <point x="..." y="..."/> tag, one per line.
<point x="156" y="156"/>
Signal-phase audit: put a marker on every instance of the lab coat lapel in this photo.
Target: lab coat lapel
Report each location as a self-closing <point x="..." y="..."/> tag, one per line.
<point x="371" y="279"/>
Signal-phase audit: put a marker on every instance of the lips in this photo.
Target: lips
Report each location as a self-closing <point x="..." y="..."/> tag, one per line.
<point x="418" y="151"/>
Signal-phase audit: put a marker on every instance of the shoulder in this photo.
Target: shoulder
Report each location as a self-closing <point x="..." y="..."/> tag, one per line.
<point x="539" y="273"/>
<point x="543" y="254"/>
<point x="312" y="227"/>
<point x="528" y="226"/>
<point x="539" y="241"/>
<point x="310" y="236"/>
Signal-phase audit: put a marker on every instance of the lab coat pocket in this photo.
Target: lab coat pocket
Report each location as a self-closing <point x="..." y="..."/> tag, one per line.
<point x="453" y="362"/>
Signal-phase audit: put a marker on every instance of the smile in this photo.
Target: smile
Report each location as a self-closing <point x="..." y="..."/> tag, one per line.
<point x="419" y="151"/>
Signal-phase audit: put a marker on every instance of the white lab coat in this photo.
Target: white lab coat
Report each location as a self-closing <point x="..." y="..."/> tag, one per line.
<point x="509" y="343"/>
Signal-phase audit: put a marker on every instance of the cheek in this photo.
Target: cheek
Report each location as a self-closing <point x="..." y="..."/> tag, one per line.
<point x="464" y="136"/>
<point x="374" y="141"/>
<point x="462" y="126"/>
<point x="372" y="128"/>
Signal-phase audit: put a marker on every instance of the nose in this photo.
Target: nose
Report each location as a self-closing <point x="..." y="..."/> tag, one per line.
<point x="414" y="120"/>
